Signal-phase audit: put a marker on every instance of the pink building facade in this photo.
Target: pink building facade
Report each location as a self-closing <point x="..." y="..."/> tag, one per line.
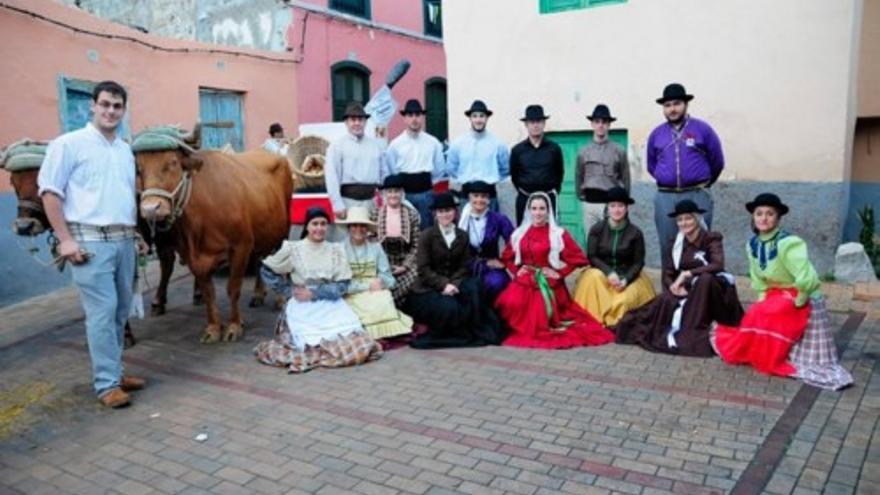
<point x="49" y="68"/>
<point x="344" y="53"/>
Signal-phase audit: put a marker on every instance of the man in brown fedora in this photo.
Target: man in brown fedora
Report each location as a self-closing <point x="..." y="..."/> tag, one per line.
<point x="355" y="164"/>
<point x="536" y="162"/>
<point x="601" y="166"/>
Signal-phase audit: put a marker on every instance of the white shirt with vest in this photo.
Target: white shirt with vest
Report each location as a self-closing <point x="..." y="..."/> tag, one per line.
<point x="94" y="177"/>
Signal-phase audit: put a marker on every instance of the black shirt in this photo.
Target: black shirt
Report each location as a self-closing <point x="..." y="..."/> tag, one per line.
<point x="537" y="169"/>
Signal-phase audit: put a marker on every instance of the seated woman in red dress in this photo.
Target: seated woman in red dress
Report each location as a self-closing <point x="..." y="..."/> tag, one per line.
<point x="536" y="305"/>
<point x="787" y="332"/>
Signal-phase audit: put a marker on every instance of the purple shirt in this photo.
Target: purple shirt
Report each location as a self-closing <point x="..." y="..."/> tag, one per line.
<point x="687" y="157"/>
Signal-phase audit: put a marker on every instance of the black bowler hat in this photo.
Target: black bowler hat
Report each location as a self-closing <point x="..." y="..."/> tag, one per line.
<point x="476" y="186"/>
<point x="618" y="194"/>
<point x="355" y="109"/>
<point x="311" y="214"/>
<point x="767" y="199"/>
<point x="601" y="112"/>
<point x="394" y="181"/>
<point x="478" y="106"/>
<point x="444" y="200"/>
<point x="674" y="91"/>
<point x="686" y="206"/>
<point x="412" y="106"/>
<point x="534" y="112"/>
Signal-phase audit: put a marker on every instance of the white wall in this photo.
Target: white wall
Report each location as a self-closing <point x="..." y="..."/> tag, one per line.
<point x="774" y="78"/>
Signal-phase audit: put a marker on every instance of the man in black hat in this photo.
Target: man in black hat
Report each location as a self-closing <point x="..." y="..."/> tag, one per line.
<point x="354" y="167"/>
<point x="601" y="166"/>
<point x="536" y="162"/>
<point x="479" y="155"/>
<point x="685" y="158"/>
<point x="418" y="158"/>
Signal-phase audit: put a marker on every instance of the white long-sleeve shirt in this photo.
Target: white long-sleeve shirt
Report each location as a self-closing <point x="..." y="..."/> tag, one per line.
<point x="352" y="160"/>
<point x="419" y="154"/>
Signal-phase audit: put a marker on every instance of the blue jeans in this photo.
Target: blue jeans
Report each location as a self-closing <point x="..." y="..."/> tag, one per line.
<point x="664" y="204"/>
<point x="422" y="201"/>
<point x="105" y="289"/>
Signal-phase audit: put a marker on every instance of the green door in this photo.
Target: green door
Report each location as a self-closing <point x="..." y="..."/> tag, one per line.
<point x="569" y="207"/>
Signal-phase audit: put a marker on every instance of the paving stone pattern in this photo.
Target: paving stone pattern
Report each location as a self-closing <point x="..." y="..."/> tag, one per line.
<point x="613" y="419"/>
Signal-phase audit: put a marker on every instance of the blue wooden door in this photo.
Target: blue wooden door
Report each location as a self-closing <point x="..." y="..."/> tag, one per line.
<point x="76" y="105"/>
<point x="220" y="114"/>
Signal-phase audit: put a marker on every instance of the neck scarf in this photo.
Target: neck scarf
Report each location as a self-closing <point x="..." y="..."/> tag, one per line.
<point x="556" y="242"/>
<point x="766" y="250"/>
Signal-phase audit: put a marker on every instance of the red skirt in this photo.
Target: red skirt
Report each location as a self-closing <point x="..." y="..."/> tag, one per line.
<point x="766" y="334"/>
<point x="522" y="308"/>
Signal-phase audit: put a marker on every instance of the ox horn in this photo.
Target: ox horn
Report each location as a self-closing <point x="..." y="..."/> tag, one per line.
<point x="194" y="137"/>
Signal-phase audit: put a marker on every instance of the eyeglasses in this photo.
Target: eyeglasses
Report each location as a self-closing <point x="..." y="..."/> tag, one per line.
<point x="115" y="106"/>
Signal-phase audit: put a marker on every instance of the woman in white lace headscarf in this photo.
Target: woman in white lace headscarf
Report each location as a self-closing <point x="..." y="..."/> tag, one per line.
<point x="536" y="305"/>
<point x="697" y="292"/>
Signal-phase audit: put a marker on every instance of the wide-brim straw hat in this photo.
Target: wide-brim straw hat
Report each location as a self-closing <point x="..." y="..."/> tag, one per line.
<point x="357" y="215"/>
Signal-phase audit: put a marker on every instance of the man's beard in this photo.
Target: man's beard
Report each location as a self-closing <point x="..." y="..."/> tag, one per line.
<point x="478" y="130"/>
<point x="677" y="121"/>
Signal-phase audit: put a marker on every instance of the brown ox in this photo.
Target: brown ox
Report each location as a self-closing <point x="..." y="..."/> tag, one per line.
<point x="236" y="208"/>
<point x="31" y="221"/>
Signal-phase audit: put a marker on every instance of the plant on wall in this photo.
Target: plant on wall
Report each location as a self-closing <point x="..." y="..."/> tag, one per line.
<point x="867" y="237"/>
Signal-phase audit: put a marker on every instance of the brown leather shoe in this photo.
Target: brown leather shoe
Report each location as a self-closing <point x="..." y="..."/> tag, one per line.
<point x="115" y="398"/>
<point x="130" y="383"/>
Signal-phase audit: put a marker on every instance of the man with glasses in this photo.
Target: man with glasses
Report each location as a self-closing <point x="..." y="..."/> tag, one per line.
<point x="87" y="182"/>
<point x="601" y="165"/>
<point x="684" y="156"/>
<point x="417" y="157"/>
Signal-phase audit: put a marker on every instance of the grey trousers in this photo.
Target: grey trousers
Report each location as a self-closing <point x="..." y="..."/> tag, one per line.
<point x="664" y="204"/>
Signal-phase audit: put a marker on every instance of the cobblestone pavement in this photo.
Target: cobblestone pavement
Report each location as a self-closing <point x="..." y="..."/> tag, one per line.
<point x="613" y="419"/>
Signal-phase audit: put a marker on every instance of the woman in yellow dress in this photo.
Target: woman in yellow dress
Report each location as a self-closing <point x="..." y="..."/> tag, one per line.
<point x="614" y="283"/>
<point x="369" y="292"/>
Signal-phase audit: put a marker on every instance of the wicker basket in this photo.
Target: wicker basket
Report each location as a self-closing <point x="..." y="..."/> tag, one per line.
<point x="306" y="156"/>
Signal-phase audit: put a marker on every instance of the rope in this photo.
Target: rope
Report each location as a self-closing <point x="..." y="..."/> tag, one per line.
<point x="178" y="198"/>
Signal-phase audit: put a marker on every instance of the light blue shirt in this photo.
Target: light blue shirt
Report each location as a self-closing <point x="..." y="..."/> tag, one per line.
<point x="94" y="177"/>
<point x="478" y="156"/>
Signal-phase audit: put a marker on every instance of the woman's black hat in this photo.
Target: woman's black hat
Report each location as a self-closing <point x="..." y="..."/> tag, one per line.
<point x="311" y="214"/>
<point x="686" y="206"/>
<point x="476" y="186"/>
<point x="767" y="199"/>
<point x="618" y="194"/>
<point x="394" y="181"/>
<point x="443" y="200"/>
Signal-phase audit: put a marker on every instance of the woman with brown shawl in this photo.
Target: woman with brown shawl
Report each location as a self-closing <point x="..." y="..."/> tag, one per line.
<point x="696" y="293"/>
<point x="397" y="229"/>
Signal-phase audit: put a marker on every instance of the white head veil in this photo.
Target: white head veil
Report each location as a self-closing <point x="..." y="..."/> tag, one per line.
<point x="556" y="242"/>
<point x="678" y="247"/>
